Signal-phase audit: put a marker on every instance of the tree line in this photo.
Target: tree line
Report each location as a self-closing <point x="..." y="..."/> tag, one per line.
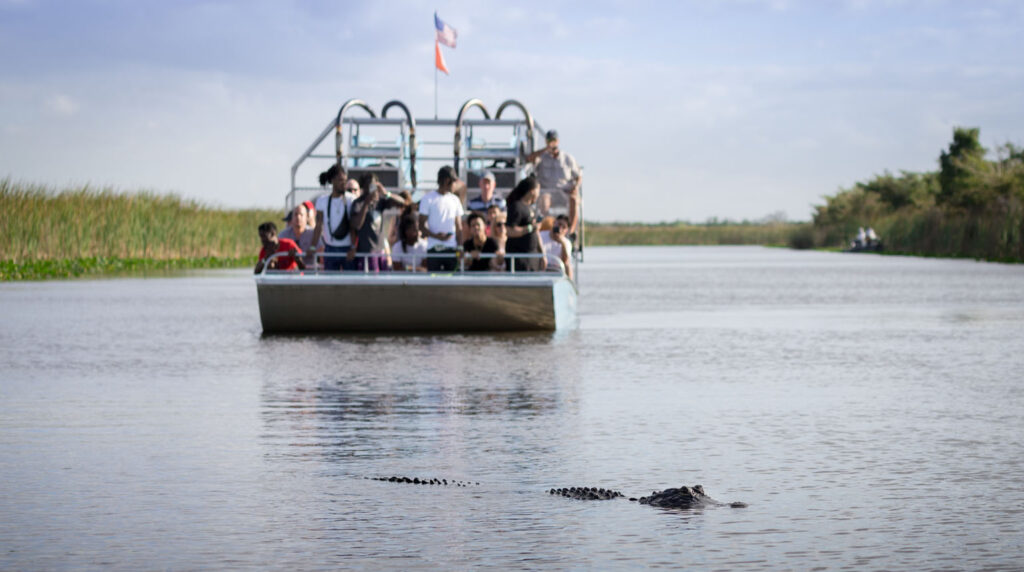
<point x="972" y="206"/>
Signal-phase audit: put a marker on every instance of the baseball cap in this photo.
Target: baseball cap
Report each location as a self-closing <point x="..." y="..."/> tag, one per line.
<point x="551" y="135"/>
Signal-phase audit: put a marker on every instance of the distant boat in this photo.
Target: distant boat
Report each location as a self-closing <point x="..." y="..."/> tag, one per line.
<point x="454" y="301"/>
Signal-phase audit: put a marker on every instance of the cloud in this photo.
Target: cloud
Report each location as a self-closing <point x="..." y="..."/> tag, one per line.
<point x="61" y="105"/>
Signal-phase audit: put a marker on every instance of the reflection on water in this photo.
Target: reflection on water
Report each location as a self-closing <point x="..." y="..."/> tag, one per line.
<point x="867" y="408"/>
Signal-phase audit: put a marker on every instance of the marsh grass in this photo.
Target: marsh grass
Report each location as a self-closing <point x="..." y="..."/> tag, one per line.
<point x="995" y="234"/>
<point x="85" y="230"/>
<point x="682" y="233"/>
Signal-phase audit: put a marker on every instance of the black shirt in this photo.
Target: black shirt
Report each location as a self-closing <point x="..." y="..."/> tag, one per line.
<point x="522" y="214"/>
<point x="481" y="264"/>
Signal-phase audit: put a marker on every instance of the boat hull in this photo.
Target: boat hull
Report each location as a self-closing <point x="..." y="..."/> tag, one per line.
<point x="405" y="302"/>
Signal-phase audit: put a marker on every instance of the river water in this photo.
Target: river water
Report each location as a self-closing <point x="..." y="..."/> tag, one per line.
<point x="870" y="410"/>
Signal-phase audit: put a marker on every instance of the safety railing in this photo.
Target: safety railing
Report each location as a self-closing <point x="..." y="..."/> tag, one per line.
<point x="461" y="259"/>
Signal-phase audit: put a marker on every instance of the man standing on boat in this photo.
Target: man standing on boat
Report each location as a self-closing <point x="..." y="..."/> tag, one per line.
<point x="559" y="175"/>
<point x="441" y="219"/>
<point x="334" y="210"/>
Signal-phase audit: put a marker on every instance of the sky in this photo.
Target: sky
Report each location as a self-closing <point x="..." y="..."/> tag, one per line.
<point x="683" y="110"/>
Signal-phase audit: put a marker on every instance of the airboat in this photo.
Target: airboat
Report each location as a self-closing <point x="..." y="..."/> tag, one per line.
<point x="398" y="149"/>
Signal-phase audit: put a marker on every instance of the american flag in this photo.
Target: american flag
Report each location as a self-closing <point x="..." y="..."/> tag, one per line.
<point x="445" y="33"/>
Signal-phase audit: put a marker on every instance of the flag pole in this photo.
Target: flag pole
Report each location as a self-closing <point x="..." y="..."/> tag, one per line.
<point x="435" y="92"/>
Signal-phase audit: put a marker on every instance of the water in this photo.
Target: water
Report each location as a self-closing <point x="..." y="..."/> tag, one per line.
<point x="868" y="409"/>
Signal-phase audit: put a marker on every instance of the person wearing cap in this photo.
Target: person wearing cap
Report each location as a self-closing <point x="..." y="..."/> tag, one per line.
<point x="299" y="231"/>
<point x="486" y="198"/>
<point x="440" y="218"/>
<point x="559" y="176"/>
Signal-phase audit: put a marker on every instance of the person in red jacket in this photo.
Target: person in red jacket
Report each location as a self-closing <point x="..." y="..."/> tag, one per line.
<point x="272" y="245"/>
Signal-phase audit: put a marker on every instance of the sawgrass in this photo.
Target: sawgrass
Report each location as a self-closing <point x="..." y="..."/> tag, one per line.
<point x="85" y="230"/>
<point x="683" y="233"/>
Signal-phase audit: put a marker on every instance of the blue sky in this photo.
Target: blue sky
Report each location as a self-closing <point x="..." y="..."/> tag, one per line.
<point x="676" y="110"/>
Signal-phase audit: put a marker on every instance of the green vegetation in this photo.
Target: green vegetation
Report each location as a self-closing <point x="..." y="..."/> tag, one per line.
<point x="971" y="207"/>
<point x="685" y="233"/>
<point x="74" y="232"/>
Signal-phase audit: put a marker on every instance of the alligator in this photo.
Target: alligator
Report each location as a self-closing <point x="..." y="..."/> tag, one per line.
<point x="419" y="481"/>
<point x="682" y="497"/>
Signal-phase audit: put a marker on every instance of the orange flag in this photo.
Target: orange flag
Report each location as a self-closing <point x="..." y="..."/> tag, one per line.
<point x="439" y="59"/>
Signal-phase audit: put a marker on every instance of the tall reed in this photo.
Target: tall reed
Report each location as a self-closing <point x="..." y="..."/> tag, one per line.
<point x="43" y="223"/>
<point x="681" y="233"/>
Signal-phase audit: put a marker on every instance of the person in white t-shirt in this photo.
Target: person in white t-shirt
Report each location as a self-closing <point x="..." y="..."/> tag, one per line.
<point x="557" y="246"/>
<point x="333" y="217"/>
<point x="441" y="215"/>
<point x="409" y="252"/>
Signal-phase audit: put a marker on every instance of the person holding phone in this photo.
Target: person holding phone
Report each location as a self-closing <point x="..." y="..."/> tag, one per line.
<point x="441" y="213"/>
<point x="368" y="221"/>
<point x="559" y="176"/>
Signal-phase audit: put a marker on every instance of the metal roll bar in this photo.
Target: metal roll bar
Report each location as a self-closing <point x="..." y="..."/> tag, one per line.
<point x="339" y="137"/>
<point x="458" y="126"/>
<point x="526" y="114"/>
<point x="412" y="134"/>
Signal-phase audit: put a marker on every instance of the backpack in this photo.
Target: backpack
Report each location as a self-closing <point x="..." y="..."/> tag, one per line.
<point x="343" y="229"/>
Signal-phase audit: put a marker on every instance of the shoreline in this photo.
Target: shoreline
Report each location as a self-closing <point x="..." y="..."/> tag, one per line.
<point x="105" y="266"/>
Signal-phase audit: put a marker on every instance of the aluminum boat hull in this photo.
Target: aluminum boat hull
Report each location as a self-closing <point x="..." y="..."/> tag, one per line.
<point x="415" y="302"/>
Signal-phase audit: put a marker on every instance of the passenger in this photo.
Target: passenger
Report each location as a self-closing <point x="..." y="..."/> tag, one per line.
<point x="559" y="174"/>
<point x="310" y="213"/>
<point x="861" y="240"/>
<point x="333" y="222"/>
<point x="409" y="253"/>
<point x="492" y="213"/>
<point x="440" y="216"/>
<point x="871" y="239"/>
<point x="486" y="199"/>
<point x="556" y="246"/>
<point x="301" y="234"/>
<point x="272" y="245"/>
<point x="523" y="236"/>
<point x="368" y="221"/>
<point x="311" y="224"/>
<point x="479" y="243"/>
<point x="498" y="231"/>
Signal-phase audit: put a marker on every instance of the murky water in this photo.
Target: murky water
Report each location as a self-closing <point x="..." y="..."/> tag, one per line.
<point x="870" y="410"/>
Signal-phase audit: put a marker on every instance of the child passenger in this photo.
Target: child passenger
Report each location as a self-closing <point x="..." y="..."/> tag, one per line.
<point x="409" y="252"/>
<point x="479" y="243"/>
<point x="272" y="245"/>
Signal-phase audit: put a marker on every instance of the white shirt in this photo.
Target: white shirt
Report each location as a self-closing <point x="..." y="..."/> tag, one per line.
<point x="443" y="212"/>
<point x="418" y="250"/>
<point x="553" y="249"/>
<point x="333" y="219"/>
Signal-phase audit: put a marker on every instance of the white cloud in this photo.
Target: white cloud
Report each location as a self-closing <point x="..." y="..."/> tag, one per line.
<point x="62" y="105"/>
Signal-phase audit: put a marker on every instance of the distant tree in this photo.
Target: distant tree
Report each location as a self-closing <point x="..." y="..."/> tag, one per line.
<point x="777" y="217"/>
<point x="962" y="169"/>
<point x="907" y="190"/>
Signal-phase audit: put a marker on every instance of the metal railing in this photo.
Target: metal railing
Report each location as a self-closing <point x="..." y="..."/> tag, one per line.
<point x="460" y="258"/>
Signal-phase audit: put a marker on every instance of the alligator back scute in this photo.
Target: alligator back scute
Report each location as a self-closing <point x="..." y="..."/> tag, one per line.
<point x="424" y="481"/>
<point x="586" y="493"/>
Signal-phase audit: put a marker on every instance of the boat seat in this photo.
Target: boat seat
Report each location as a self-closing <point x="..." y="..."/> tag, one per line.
<point x="390" y="176"/>
<point x="504" y="178"/>
<point x="380" y="152"/>
<point x="491" y="153"/>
